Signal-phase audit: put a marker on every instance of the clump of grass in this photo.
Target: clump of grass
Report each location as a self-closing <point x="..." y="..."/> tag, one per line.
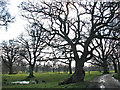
<point x="51" y="80"/>
<point x="14" y="77"/>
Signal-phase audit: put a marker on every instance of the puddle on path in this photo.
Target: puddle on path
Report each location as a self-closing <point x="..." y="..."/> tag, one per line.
<point x="102" y="81"/>
<point x="102" y="86"/>
<point x="21" y="82"/>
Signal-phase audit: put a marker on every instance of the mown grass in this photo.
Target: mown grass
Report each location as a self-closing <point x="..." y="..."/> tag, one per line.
<point x="51" y="80"/>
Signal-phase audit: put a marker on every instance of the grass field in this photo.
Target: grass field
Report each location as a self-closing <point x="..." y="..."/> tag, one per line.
<point x="51" y="80"/>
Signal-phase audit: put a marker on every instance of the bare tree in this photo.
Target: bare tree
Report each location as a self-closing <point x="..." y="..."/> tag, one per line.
<point x="5" y="16"/>
<point x="102" y="54"/>
<point x="114" y="61"/>
<point x="90" y="20"/>
<point x="116" y="57"/>
<point x="9" y="54"/>
<point x="32" y="45"/>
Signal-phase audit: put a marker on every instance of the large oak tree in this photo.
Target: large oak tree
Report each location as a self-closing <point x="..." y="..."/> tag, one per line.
<point x="78" y="23"/>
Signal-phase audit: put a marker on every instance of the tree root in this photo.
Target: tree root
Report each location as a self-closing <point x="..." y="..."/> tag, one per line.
<point x="74" y="78"/>
<point x="30" y="76"/>
<point x="68" y="81"/>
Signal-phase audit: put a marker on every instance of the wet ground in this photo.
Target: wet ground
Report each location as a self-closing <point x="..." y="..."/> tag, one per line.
<point x="104" y="81"/>
<point x="20" y="82"/>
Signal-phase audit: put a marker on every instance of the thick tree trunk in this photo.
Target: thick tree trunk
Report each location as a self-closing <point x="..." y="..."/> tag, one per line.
<point x="70" y="69"/>
<point x="31" y="68"/>
<point x="118" y="66"/>
<point x="10" y="70"/>
<point x="105" y="67"/>
<point x="115" y="66"/>
<point x="78" y="75"/>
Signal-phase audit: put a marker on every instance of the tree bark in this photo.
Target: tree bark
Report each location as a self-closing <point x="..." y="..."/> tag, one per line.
<point x="78" y="75"/>
<point x="118" y="65"/>
<point x="105" y="67"/>
<point x="10" y="69"/>
<point x="70" y="69"/>
<point x="53" y="68"/>
<point x="36" y="69"/>
<point x="115" y="66"/>
<point x="31" y="68"/>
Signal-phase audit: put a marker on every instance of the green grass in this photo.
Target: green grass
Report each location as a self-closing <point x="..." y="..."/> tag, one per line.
<point x="117" y="76"/>
<point x="52" y="80"/>
<point x="110" y="72"/>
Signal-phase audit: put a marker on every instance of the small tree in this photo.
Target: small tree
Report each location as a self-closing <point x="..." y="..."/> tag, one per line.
<point x="9" y="54"/>
<point x="32" y="45"/>
<point x="103" y="52"/>
<point x="116" y="56"/>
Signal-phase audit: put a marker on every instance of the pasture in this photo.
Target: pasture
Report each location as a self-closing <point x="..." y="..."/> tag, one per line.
<point x="46" y="80"/>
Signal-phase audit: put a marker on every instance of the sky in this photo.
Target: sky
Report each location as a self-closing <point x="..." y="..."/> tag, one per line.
<point x="16" y="28"/>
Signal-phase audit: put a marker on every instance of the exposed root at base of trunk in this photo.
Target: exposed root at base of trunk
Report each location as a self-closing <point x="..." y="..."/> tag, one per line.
<point x="73" y="79"/>
<point x="105" y="72"/>
<point x="30" y="76"/>
<point x="12" y="73"/>
<point x="69" y="80"/>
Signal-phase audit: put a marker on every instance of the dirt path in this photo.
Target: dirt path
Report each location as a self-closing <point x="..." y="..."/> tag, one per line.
<point x="104" y="81"/>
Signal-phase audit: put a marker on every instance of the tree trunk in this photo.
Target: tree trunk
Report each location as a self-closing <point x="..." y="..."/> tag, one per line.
<point x="115" y="66"/>
<point x="105" y="67"/>
<point x="70" y="69"/>
<point x="78" y="75"/>
<point x="36" y="69"/>
<point x="31" y="68"/>
<point x="118" y="66"/>
<point x="10" y="69"/>
<point x="53" y="69"/>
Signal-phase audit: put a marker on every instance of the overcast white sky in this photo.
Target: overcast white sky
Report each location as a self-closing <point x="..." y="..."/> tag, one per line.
<point x="15" y="28"/>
